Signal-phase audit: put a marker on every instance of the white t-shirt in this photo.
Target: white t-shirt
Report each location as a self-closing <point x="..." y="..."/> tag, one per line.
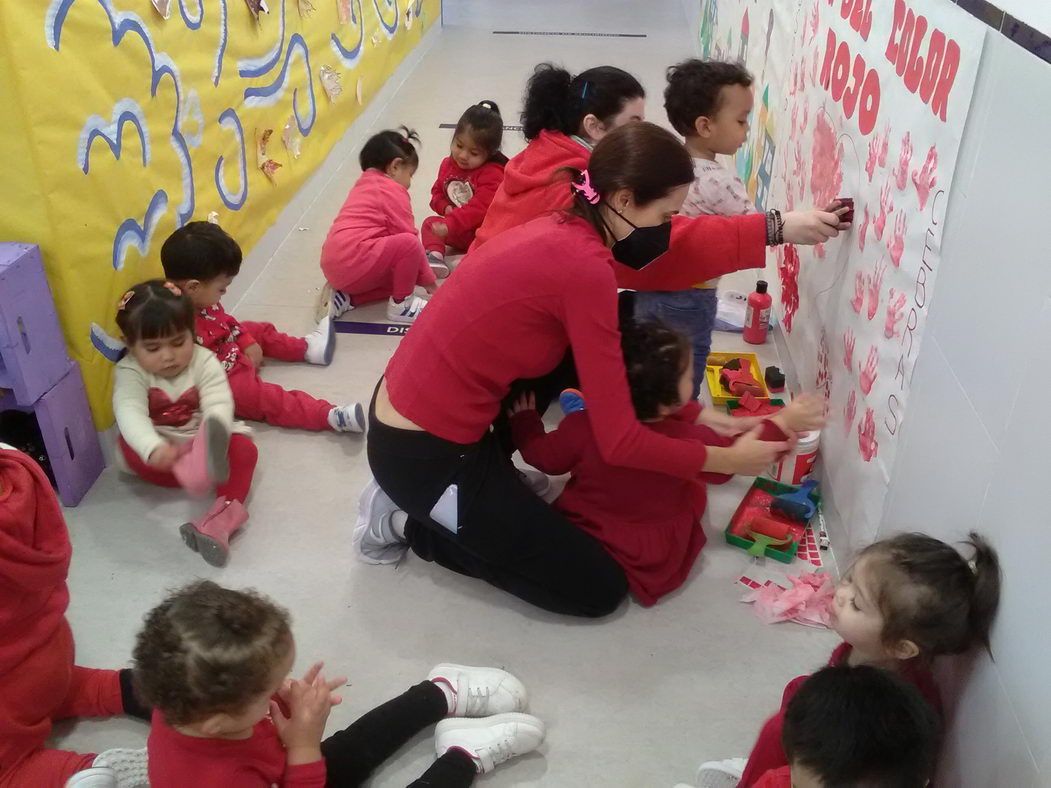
<point x="715" y="191"/>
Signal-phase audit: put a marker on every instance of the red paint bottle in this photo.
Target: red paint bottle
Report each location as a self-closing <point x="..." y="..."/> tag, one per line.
<point x="757" y="319"/>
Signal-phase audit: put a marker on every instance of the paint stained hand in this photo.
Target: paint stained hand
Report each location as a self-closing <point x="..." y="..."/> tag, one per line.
<point x="901" y="173"/>
<point x="886" y="205"/>
<point x="848" y="349"/>
<point x="895" y="312"/>
<point x="875" y="283"/>
<point x="867" y="443"/>
<point x="870" y="371"/>
<point x="851" y="409"/>
<point x="924" y="180"/>
<point x="858" y="301"/>
<point x="896" y="245"/>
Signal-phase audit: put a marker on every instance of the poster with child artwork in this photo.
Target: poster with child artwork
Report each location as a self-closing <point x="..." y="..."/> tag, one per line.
<point x="865" y="99"/>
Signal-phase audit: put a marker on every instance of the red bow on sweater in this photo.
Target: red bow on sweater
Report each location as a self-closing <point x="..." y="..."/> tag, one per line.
<point x="173" y="414"/>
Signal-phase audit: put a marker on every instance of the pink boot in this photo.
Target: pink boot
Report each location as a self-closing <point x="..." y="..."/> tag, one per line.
<point x="210" y="534"/>
<point x="205" y="464"/>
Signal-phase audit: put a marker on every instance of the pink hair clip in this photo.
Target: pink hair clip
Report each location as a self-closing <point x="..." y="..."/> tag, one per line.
<point x="124" y="299"/>
<point x="173" y="287"/>
<point x="583" y="187"/>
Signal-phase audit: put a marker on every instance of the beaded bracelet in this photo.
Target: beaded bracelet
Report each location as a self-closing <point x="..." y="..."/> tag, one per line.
<point x="775" y="228"/>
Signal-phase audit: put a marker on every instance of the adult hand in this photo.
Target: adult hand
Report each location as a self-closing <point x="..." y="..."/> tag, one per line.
<point x="750" y="456"/>
<point x="525" y="402"/>
<point x="254" y="353"/>
<point x="164" y="456"/>
<point x="309" y="701"/>
<point x="813" y="227"/>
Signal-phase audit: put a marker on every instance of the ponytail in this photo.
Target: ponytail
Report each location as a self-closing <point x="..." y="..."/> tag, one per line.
<point x="555" y="100"/>
<point x="985" y="597"/>
<point x="484" y="125"/>
<point x="386" y="146"/>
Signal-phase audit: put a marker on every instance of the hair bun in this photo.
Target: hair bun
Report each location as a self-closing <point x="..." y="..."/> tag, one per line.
<point x="490" y="105"/>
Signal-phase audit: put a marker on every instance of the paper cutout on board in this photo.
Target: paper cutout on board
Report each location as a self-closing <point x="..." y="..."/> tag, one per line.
<point x="343" y="11"/>
<point x="163" y="7"/>
<point x="330" y="82"/>
<point x="266" y="164"/>
<point x="257" y="7"/>
<point x="306" y="8"/>
<point x="359" y="91"/>
<point x="292" y="139"/>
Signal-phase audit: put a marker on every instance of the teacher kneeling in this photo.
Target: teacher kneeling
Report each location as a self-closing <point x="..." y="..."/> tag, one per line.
<point x="511" y="311"/>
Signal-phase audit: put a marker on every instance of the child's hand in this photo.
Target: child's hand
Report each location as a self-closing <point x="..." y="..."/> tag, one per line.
<point x="164" y="456"/>
<point x="254" y="353"/>
<point x="525" y="402"/>
<point x="750" y="456"/>
<point x="812" y="227"/>
<point x="449" y="209"/>
<point x="802" y="414"/>
<point x="309" y="701"/>
<point x="724" y="423"/>
<point x="441" y="229"/>
<point x="431" y="288"/>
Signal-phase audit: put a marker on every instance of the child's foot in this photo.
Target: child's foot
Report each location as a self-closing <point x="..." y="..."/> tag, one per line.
<point x="439" y="267"/>
<point x="339" y="304"/>
<point x="210" y="534"/>
<point x="489" y="741"/>
<point x="479" y="692"/>
<point x="347" y="418"/>
<point x="406" y="310"/>
<point x="534" y="480"/>
<point x="571" y="400"/>
<point x="321" y="342"/>
<point x="721" y="774"/>
<point x="379" y="536"/>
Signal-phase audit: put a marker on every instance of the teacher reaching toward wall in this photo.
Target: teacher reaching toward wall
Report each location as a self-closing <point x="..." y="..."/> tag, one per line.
<point x="444" y="482"/>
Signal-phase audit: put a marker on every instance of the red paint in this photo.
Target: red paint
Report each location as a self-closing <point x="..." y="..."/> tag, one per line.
<point x="788" y="272"/>
<point x="826" y="170"/>
<point x="924" y="180"/>
<point x="757" y="318"/>
<point x="933" y="74"/>
<point x="852" y="83"/>
<point x="859" y="12"/>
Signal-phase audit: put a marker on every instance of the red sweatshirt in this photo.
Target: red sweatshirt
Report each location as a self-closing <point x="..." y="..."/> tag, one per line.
<point x="776" y="778"/>
<point x="36" y="645"/>
<point x="221" y="333"/>
<point x="649" y="522"/>
<point x="467" y="192"/>
<point x="768" y="754"/>
<point x="178" y="761"/>
<point x="532" y="184"/>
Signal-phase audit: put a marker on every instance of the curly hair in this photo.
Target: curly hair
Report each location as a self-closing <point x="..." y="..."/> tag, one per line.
<point x="208" y="649"/>
<point x="154" y="309"/>
<point x="695" y="90"/>
<point x="655" y="358"/>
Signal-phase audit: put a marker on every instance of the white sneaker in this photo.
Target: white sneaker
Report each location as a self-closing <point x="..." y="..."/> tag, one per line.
<point x="102" y="777"/>
<point x="405" y="312"/>
<point x="534" y="480"/>
<point x="334" y="303"/>
<point x="438" y="265"/>
<point x="321" y="342"/>
<point x="489" y="741"/>
<point x="347" y="418"/>
<point x="721" y="774"/>
<point x="375" y="541"/>
<point x="121" y="768"/>
<point x="480" y="692"/>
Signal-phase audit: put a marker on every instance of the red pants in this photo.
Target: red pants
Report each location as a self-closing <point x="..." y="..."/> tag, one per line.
<point x="387" y="267"/>
<point x="257" y="400"/>
<point x="274" y="343"/>
<point x="432" y="243"/>
<point x="243" y="455"/>
<point x="91" y="693"/>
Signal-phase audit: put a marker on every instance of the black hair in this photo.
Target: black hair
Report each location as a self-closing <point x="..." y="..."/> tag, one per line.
<point x="861" y="727"/>
<point x="655" y="358"/>
<point x="153" y="310"/>
<point x="484" y="125"/>
<point x="930" y="594"/>
<point x="201" y="251"/>
<point x="555" y="100"/>
<point x="383" y="148"/>
<point x="641" y="157"/>
<point x="695" y="90"/>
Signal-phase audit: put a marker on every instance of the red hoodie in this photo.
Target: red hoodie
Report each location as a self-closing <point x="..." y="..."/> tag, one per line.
<point x="468" y="192"/>
<point x="532" y="184"/>
<point x="36" y="645"/>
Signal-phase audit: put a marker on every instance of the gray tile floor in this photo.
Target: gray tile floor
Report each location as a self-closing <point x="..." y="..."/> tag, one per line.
<point x="638" y="699"/>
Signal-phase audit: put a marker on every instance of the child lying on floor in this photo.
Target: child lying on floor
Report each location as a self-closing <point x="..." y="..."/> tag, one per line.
<point x="648" y="521"/>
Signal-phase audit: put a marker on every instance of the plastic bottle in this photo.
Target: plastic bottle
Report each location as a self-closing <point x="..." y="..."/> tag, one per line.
<point x="757" y="319"/>
<point x="796" y="466"/>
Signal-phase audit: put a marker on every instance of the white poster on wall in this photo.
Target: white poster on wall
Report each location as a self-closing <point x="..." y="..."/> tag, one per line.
<point x="865" y="99"/>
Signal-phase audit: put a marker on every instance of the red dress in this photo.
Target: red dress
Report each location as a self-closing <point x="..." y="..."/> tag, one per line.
<point x="648" y="521"/>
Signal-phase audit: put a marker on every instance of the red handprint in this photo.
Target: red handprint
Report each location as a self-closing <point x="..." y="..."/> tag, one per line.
<point x="795" y="120"/>
<point x="886" y="205"/>
<point x="877" y="153"/>
<point x="925" y="179"/>
<point x="901" y="174"/>
<point x="867" y="443"/>
<point x="824" y="377"/>
<point x="863" y="229"/>
<point x="848" y="350"/>
<point x="806" y="114"/>
<point x="896" y="245"/>
<point x="858" y="300"/>
<point x="814" y="22"/>
<point x="869" y="372"/>
<point x="852" y="409"/>
<point x="895" y="312"/>
<point x="788" y="273"/>
<point x="875" y="283"/>
<point x="797" y="172"/>
<point x="813" y="73"/>
<point x="826" y="174"/>
<point x="792" y="81"/>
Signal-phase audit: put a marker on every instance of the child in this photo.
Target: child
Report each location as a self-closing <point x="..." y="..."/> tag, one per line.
<point x="372" y="250"/>
<point x="648" y="521"/>
<point x="214" y="663"/>
<point x="203" y="260"/>
<point x="709" y="104"/>
<point x="170" y="395"/>
<point x="906" y="600"/>
<point x="467" y="182"/>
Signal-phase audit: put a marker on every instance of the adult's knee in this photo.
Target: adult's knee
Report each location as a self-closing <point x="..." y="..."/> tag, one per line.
<point x="605" y="592"/>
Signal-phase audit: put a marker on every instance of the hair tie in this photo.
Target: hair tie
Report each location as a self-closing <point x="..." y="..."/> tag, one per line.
<point x="124" y="299"/>
<point x="174" y="288"/>
<point x="973" y="566"/>
<point x="583" y="187"/>
<point x="584" y="92"/>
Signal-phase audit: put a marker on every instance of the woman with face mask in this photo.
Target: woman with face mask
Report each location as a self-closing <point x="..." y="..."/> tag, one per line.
<point x="507" y="322"/>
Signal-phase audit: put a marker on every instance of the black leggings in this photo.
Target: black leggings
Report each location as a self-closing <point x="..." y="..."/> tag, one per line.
<point x="507" y="535"/>
<point x="354" y="753"/>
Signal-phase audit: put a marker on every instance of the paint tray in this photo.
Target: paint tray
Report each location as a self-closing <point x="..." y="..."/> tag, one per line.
<point x="733" y="407"/>
<point x="756" y="503"/>
<point x="720" y="395"/>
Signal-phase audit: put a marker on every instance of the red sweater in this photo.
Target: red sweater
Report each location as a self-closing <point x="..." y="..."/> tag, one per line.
<point x="768" y="754"/>
<point x="36" y="645"/>
<point x="532" y="185"/>
<point x="468" y="192"/>
<point x="178" y="761"/>
<point x="221" y="333"/>
<point x="649" y="522"/>
<point x="776" y="778"/>
<point x="512" y="311"/>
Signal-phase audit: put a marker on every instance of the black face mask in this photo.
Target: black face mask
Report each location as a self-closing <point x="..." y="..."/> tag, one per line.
<point x="642" y="245"/>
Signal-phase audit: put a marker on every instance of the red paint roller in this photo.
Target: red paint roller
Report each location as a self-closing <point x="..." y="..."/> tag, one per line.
<point x="768" y="526"/>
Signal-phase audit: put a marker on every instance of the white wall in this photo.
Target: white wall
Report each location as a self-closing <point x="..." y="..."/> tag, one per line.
<point x="978" y="426"/>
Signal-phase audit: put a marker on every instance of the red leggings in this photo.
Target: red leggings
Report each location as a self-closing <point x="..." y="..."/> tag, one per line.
<point x="92" y="693"/>
<point x="274" y="343"/>
<point x="432" y="243"/>
<point x="257" y="400"/>
<point x="387" y="267"/>
<point x="243" y="455"/>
